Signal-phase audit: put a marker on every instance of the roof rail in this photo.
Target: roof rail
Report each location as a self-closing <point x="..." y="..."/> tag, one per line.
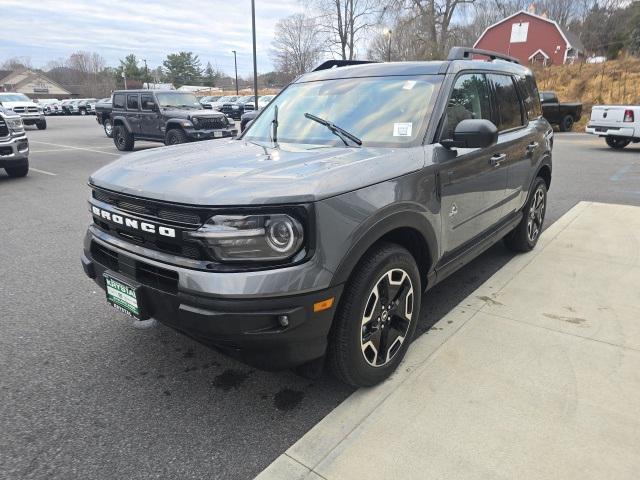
<point x="464" y="53"/>
<point x="339" y="63"/>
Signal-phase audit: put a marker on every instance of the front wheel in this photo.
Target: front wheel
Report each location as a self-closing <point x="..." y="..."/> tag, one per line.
<point x="175" y="136"/>
<point x="377" y="317"/>
<point x="566" y="124"/>
<point x="41" y="124"/>
<point x="83" y="112"/>
<point x="525" y="236"/>
<point x="108" y="128"/>
<point x="617" y="143"/>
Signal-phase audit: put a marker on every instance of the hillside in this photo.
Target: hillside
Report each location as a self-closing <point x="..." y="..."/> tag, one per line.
<point x="612" y="82"/>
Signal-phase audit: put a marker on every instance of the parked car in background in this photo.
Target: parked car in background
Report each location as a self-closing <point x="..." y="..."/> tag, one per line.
<point x="315" y="236"/>
<point x="247" y="118"/>
<point x="65" y="106"/>
<point x="46" y="104"/>
<point x="207" y="102"/>
<point x="217" y="105"/>
<point x="618" y="124"/>
<point x="237" y="108"/>
<point x="103" y="115"/>
<point x="87" y="106"/>
<point x="564" y="115"/>
<point x="164" y="116"/>
<point x="30" y="112"/>
<point x="14" y="146"/>
<point x="264" y="100"/>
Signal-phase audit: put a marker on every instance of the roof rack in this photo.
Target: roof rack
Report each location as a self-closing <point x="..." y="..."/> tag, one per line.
<point x="464" y="53"/>
<point x="339" y="63"/>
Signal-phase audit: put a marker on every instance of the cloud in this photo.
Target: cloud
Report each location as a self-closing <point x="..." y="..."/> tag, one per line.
<point x="50" y="29"/>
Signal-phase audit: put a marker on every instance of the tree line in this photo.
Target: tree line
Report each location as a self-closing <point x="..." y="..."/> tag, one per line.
<point x="426" y="29"/>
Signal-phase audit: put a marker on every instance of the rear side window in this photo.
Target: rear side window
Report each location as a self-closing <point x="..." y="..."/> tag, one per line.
<point x="132" y="102"/>
<point x="469" y="100"/>
<point x="507" y="102"/>
<point x="118" y="100"/>
<point x="530" y="96"/>
<point x="146" y="100"/>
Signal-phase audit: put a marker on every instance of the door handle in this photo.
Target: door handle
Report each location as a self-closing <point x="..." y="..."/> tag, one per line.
<point x="497" y="159"/>
<point x="532" y="146"/>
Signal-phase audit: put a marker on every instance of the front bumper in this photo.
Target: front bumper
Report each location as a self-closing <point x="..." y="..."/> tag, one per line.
<point x="605" y="130"/>
<point x="247" y="327"/>
<point x="14" y="151"/>
<point x="204" y="134"/>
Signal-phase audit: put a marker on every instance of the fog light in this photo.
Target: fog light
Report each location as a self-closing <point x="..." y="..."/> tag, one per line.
<point x="283" y="320"/>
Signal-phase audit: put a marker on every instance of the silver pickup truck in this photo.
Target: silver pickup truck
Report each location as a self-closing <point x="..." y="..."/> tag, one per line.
<point x="14" y="146"/>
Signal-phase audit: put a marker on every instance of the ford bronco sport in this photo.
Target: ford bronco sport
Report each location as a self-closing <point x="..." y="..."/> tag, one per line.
<point x="164" y="116"/>
<point x="314" y="235"/>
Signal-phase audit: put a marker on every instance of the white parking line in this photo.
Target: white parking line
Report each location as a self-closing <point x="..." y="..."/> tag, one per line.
<point x="31" y="169"/>
<point x="71" y="147"/>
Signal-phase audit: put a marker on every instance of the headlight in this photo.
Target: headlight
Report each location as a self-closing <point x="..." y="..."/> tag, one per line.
<point x="186" y="123"/>
<point x="252" y="238"/>
<point x="235" y="107"/>
<point x="15" y="124"/>
<point x="195" y="121"/>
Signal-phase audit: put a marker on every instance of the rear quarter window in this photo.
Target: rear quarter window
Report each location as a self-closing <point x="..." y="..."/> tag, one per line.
<point x="508" y="102"/>
<point x="530" y="96"/>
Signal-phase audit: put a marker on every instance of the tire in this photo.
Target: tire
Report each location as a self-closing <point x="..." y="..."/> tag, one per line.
<point x="108" y="128"/>
<point x="122" y="139"/>
<point x="20" y="171"/>
<point x="83" y="112"/>
<point x="362" y="325"/>
<point x="175" y="136"/>
<point x="566" y="124"/>
<point x="42" y="125"/>
<point x="617" y="143"/>
<point x="525" y="236"/>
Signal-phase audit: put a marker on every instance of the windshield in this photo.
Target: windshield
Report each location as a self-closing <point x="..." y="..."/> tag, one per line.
<point x="14" y="97"/>
<point x="381" y="111"/>
<point x="183" y="100"/>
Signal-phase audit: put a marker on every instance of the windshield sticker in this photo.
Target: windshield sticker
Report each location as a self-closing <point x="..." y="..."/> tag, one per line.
<point x="402" y="129"/>
<point x="409" y="84"/>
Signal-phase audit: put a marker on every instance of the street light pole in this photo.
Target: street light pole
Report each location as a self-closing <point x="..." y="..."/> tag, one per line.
<point x="235" y="62"/>
<point x="255" y="61"/>
<point x="387" y="31"/>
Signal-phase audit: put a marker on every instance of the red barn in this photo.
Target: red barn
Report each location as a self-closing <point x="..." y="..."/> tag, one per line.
<point x="532" y="38"/>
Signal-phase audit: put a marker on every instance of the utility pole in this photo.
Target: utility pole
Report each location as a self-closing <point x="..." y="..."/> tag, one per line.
<point x="235" y="62"/>
<point x="124" y="76"/>
<point x="255" y="60"/>
<point x="387" y="31"/>
<point x="146" y="72"/>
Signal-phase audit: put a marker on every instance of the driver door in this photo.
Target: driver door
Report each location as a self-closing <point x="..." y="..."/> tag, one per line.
<point x="473" y="181"/>
<point x="150" y="118"/>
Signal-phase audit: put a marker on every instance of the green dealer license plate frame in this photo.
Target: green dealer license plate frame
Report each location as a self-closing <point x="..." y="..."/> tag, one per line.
<point x="124" y="296"/>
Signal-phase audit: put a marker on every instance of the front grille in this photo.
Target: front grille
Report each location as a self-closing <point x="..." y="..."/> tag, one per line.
<point x="149" y="275"/>
<point x="210" y="123"/>
<point x="182" y="218"/>
<point x="33" y="109"/>
<point x="19" y="109"/>
<point x="4" y="128"/>
<point x="4" y="151"/>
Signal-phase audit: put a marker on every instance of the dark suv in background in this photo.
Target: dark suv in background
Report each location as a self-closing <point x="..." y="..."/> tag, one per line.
<point x="164" y="116"/>
<point x="315" y="234"/>
<point x="236" y="108"/>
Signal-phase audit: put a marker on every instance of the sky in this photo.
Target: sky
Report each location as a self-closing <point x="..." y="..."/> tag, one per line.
<point x="45" y="30"/>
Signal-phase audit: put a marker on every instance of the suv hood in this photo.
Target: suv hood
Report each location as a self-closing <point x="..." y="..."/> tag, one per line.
<point x="217" y="173"/>
<point x="188" y="114"/>
<point x="18" y="104"/>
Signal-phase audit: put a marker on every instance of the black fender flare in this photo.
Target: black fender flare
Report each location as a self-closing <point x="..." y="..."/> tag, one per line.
<point x="119" y="119"/>
<point x="371" y="231"/>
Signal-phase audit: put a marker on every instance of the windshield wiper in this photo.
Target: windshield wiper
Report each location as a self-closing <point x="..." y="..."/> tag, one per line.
<point x="274" y="126"/>
<point x="336" y="130"/>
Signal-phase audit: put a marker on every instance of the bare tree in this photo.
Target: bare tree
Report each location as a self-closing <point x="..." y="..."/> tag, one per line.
<point x="297" y="45"/>
<point x="16" y="63"/>
<point x="345" y="22"/>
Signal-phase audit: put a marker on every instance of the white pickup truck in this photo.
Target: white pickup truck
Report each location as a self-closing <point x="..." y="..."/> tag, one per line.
<point x="618" y="124"/>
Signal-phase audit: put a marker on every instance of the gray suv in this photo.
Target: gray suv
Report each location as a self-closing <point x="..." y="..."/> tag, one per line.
<point x="313" y="236"/>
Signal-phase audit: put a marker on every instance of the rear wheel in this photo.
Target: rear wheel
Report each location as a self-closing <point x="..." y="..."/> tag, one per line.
<point x="566" y="124"/>
<point x="123" y="140"/>
<point x="377" y="317"/>
<point x="108" y="128"/>
<point x="617" y="143"/>
<point x="41" y="124"/>
<point x="525" y="236"/>
<point x="20" y="171"/>
<point x="175" y="136"/>
<point x="83" y="112"/>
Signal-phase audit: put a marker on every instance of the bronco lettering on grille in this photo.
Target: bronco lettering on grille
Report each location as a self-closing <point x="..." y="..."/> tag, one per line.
<point x="132" y="223"/>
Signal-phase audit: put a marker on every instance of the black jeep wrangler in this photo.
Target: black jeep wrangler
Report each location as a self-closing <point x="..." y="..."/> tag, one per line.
<point x="164" y="116"/>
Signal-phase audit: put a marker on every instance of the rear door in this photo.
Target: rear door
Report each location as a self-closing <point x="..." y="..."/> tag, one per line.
<point x="473" y="181"/>
<point x="517" y="140"/>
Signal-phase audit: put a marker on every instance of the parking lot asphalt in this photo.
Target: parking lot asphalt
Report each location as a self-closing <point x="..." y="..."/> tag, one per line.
<point x="86" y="395"/>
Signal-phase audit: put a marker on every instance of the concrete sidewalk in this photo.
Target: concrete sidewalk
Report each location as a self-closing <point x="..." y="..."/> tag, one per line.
<point x="535" y="375"/>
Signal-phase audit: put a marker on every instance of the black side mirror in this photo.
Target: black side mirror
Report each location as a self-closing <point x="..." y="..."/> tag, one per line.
<point x="472" y="133"/>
